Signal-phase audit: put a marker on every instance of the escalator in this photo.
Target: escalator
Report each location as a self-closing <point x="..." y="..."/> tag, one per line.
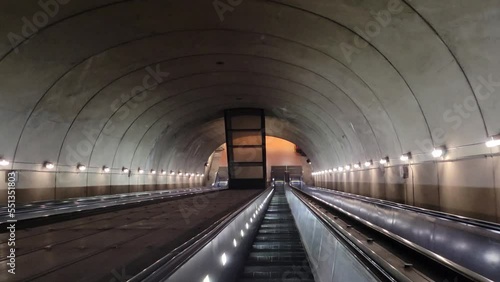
<point x="277" y="253"/>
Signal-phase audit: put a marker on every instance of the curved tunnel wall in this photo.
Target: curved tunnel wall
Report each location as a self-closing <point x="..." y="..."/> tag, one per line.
<point x="143" y="84"/>
<point x="467" y="187"/>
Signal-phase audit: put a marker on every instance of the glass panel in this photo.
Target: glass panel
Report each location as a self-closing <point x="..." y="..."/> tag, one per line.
<point x="247" y="138"/>
<point x="247" y="154"/>
<point x="246" y="122"/>
<point x="247" y="172"/>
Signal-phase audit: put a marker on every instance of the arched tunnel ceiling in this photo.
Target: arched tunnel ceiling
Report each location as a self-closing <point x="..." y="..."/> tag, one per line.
<point x="144" y="83"/>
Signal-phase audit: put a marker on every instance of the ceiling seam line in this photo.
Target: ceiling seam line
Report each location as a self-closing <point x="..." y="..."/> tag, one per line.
<point x="456" y="61"/>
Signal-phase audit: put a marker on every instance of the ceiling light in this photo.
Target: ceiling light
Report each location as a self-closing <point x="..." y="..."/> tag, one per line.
<point x="106" y="169"/>
<point x="356" y="165"/>
<point x="368" y="163"/>
<point x="153" y="171"/>
<point x="163" y="172"/>
<point x="48" y="165"/>
<point x="384" y="160"/>
<point x="347" y="167"/>
<point x="207" y="279"/>
<point x="308" y="161"/>
<point x="341" y="168"/>
<point x="438" y="152"/>
<point x="242" y="233"/>
<point x="125" y="170"/>
<point x="202" y="174"/>
<point x="4" y="162"/>
<point x="186" y="174"/>
<point x="179" y="173"/>
<point x="192" y="174"/>
<point x="235" y="244"/>
<point x="493" y="142"/>
<point x="141" y="171"/>
<point x="330" y="170"/>
<point x="335" y="170"/>
<point x="81" y="167"/>
<point x="405" y="157"/>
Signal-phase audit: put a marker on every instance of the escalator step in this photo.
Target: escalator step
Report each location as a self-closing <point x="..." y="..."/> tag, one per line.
<point x="277" y="258"/>
<point x="277" y="231"/>
<point x="290" y="225"/>
<point x="277" y="237"/>
<point x="277" y="253"/>
<point x="275" y="280"/>
<point x="287" y="271"/>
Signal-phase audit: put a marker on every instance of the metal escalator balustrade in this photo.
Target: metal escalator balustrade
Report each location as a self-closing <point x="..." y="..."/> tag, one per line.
<point x="277" y="253"/>
<point x="276" y="237"/>
<point x="50" y="209"/>
<point x="216" y="254"/>
<point x="444" y="238"/>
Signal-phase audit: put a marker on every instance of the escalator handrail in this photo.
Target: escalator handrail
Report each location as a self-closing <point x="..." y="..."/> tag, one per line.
<point x="442" y="215"/>
<point x="168" y="264"/>
<point x="362" y="254"/>
<point x="436" y="257"/>
<point x="69" y="207"/>
<point x="38" y="206"/>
